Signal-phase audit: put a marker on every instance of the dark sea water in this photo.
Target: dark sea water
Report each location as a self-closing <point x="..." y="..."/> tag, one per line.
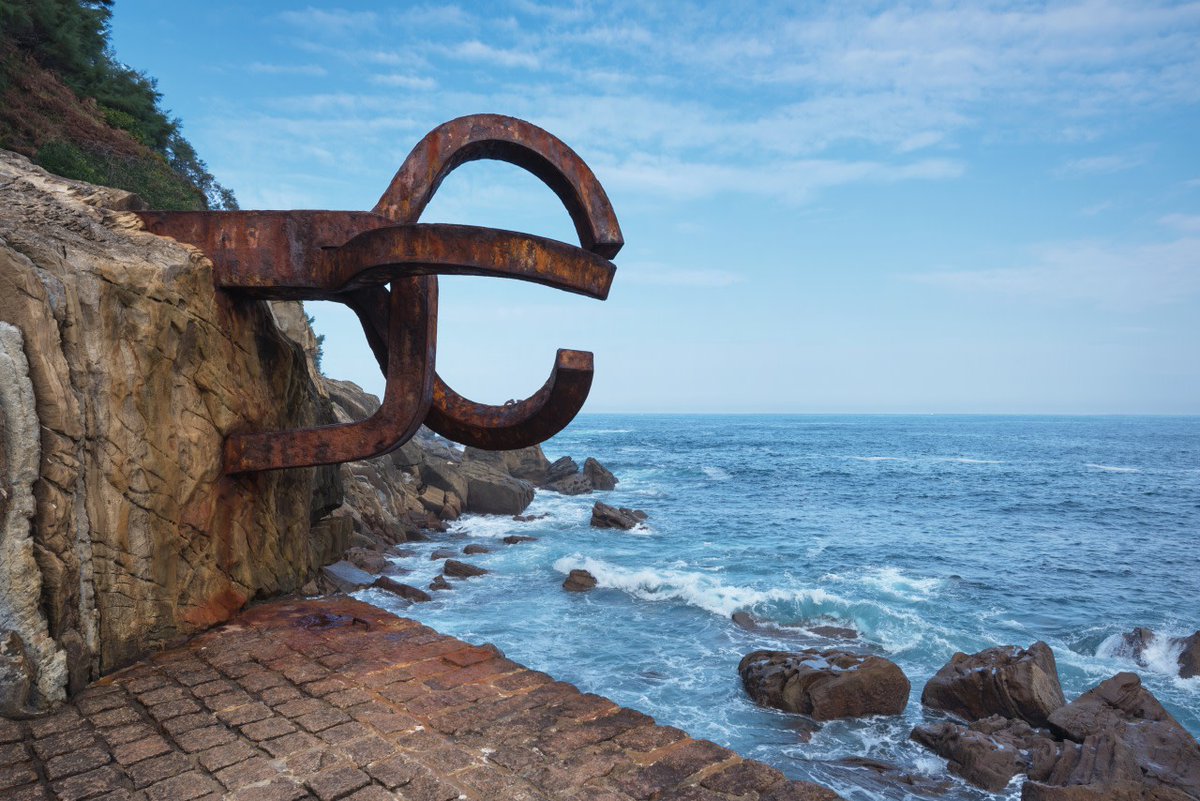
<point x="928" y="535"/>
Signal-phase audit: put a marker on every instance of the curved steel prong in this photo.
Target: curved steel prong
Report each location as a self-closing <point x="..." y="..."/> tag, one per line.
<point x="411" y="334"/>
<point x="422" y="249"/>
<point x="516" y="424"/>
<point x="494" y="136"/>
<point x="489" y="427"/>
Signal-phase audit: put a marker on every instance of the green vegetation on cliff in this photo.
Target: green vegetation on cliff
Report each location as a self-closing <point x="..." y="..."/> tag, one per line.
<point x="71" y="106"/>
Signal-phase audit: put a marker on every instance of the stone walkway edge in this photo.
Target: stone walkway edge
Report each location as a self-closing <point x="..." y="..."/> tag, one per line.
<point x="335" y="699"/>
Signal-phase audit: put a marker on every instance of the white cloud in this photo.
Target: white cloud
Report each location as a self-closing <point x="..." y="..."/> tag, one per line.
<point x="404" y="81"/>
<point x="475" y="50"/>
<point x="330" y="21"/>
<point x="1099" y="165"/>
<point x="1126" y="278"/>
<point x="1187" y="223"/>
<point x="314" y="70"/>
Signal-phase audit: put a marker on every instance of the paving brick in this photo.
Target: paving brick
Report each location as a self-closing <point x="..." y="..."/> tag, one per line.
<point x="156" y="769"/>
<point x="291" y="744"/>
<point x="88" y="785"/>
<point x="203" y="739"/>
<point x="247" y="713"/>
<point x="228" y="700"/>
<point x="76" y="762"/>
<point x="335" y="783"/>
<point x="12" y="754"/>
<point x="279" y="695"/>
<point x="10" y="731"/>
<point x="184" y="787"/>
<point x="99" y="703"/>
<point x="16" y="775"/>
<point x="274" y="790"/>
<point x="161" y="695"/>
<point x="225" y="755"/>
<point x="127" y="734"/>
<point x="30" y="792"/>
<point x="136" y="751"/>
<point x="211" y="688"/>
<point x="371" y="793"/>
<point x="250" y="771"/>
<point x="323" y="719"/>
<point x="268" y="729"/>
<point x="57" y="723"/>
<point x="185" y="723"/>
<point x="366" y="750"/>
<point x="64" y="743"/>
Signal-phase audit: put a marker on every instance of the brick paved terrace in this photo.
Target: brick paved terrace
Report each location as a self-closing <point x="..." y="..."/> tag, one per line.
<point x="333" y="699"/>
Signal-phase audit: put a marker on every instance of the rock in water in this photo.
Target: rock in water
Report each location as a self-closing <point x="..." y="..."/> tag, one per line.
<point x="598" y="475"/>
<point x="457" y="569"/>
<point x="490" y="491"/>
<point x="1189" y="658"/>
<point x="825" y="684"/>
<point x="560" y="469"/>
<point x="579" y="581"/>
<point x="439" y="583"/>
<point x="528" y="464"/>
<point x="1166" y="754"/>
<point x="517" y="539"/>
<point x="1101" y="768"/>
<point x="406" y="591"/>
<point x="1005" y="681"/>
<point x="605" y="516"/>
<point x="475" y="548"/>
<point x="990" y="752"/>
<point x="139" y="369"/>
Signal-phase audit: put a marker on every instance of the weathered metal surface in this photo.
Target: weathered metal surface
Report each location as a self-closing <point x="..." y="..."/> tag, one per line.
<point x="349" y="256"/>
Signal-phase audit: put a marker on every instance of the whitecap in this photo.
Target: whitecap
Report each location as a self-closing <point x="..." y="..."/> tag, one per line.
<point x="1107" y="468"/>
<point x="964" y="460"/>
<point x="1161" y="654"/>
<point x="716" y="473"/>
<point x="894" y="582"/>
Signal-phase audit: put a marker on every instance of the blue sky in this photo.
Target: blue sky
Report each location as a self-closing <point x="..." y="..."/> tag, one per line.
<point x="944" y="207"/>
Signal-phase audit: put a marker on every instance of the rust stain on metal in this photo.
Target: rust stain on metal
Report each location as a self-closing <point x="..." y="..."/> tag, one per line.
<point x="384" y="265"/>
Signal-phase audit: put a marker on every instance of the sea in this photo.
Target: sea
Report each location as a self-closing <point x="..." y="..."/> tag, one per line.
<point x="927" y="535"/>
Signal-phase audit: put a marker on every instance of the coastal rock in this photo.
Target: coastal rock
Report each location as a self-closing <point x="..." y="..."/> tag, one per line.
<point x="560" y="469"/>
<point x="457" y="569"/>
<point x="990" y="752"/>
<point x="346" y="577"/>
<point x="442" y="553"/>
<point x="598" y="475"/>
<point x="1006" y="681"/>
<point x="1166" y="754"/>
<point x="475" y="548"/>
<point x="825" y="684"/>
<point x="139" y="369"/>
<point x="576" y="484"/>
<point x="605" y="516"/>
<point x="528" y="464"/>
<point x="747" y="621"/>
<point x="883" y="779"/>
<point x="439" y="583"/>
<point x="517" y="539"/>
<point x="406" y="591"/>
<point x="579" y="581"/>
<point x="1189" y="657"/>
<point x="1101" y="768"/>
<point x="1134" y="644"/>
<point x="366" y="559"/>
<point x="490" y="491"/>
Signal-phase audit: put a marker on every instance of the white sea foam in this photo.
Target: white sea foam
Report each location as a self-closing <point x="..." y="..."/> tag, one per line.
<point x="1161" y="654"/>
<point x="610" y="431"/>
<point x="878" y="459"/>
<point x="716" y="473"/>
<point x="893" y="581"/>
<point x="964" y="460"/>
<point x="696" y="589"/>
<point x="1107" y="468"/>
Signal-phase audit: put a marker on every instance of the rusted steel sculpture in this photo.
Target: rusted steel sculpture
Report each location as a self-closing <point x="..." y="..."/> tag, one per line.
<point x="384" y="265"/>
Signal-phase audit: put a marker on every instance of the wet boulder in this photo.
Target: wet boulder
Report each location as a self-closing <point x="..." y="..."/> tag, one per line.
<point x="476" y="548"/>
<point x="560" y="469"/>
<point x="825" y="684"/>
<point x="442" y="553"/>
<point x="439" y="583"/>
<point x="405" y="591"/>
<point x="1166" y="754"/>
<point x="990" y="752"/>
<point x="598" y="476"/>
<point x="457" y="569"/>
<point x="1101" y="768"/>
<point x="579" y="581"/>
<point x="1008" y="681"/>
<point x="576" y="484"/>
<point x="605" y="516"/>
<point x="490" y="491"/>
<point x="517" y="539"/>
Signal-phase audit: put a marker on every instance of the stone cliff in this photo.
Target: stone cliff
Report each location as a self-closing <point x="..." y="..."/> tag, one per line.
<point x="121" y="372"/>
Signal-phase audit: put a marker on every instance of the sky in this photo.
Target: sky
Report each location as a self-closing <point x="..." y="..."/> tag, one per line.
<point x="832" y="208"/>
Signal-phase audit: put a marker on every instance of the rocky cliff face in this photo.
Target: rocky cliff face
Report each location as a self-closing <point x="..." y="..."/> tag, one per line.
<point x="121" y="372"/>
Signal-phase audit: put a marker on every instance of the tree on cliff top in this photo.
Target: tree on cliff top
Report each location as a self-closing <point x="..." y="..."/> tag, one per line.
<point x="43" y="42"/>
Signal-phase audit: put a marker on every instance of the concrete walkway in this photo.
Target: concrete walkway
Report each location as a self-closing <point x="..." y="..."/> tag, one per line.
<point x="333" y="699"/>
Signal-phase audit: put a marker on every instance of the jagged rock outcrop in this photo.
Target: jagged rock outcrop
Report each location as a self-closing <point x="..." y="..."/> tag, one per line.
<point x="605" y="516"/>
<point x="139" y="370"/>
<point x="825" y="684"/>
<point x="990" y="752"/>
<point x="1008" y="681"/>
